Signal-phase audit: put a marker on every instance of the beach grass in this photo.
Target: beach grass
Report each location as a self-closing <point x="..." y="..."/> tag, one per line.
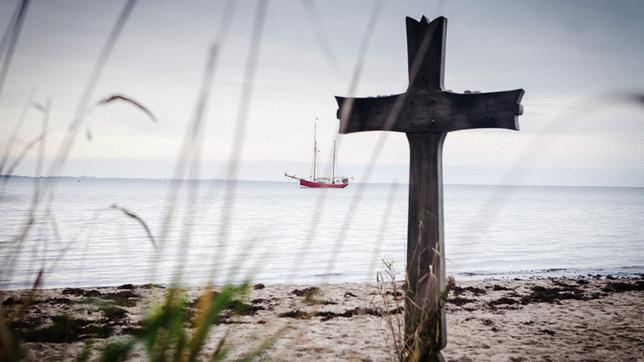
<point x="163" y="331"/>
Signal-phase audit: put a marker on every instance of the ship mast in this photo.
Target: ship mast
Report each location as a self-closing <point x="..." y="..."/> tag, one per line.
<point x="315" y="149"/>
<point x="333" y="174"/>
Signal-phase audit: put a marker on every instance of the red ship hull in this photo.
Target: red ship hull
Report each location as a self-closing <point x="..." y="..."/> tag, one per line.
<point x="320" y="185"/>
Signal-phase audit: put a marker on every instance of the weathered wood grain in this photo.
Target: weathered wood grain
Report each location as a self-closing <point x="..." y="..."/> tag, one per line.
<point x="426" y="53"/>
<point x="425" y="238"/>
<point x="438" y="111"/>
<point x="426" y="112"/>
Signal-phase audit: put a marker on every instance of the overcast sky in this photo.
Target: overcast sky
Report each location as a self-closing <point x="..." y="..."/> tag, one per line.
<point x="573" y="58"/>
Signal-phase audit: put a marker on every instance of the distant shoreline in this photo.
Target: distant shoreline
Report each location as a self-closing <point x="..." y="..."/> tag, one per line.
<point x="291" y="182"/>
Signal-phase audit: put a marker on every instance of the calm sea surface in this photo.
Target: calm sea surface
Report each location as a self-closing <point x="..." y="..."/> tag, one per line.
<point x="279" y="233"/>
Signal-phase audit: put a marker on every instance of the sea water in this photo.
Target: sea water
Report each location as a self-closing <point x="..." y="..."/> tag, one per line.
<point x="277" y="232"/>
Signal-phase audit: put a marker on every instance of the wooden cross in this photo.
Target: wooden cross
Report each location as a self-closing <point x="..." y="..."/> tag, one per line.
<point x="426" y="113"/>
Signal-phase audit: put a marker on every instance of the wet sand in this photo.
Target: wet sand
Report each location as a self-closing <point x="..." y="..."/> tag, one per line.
<point x="585" y="318"/>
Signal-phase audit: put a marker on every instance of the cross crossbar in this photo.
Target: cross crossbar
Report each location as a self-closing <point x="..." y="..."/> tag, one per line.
<point x="438" y="111"/>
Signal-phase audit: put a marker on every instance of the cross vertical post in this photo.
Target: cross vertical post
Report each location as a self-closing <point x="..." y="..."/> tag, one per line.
<point x="424" y="317"/>
<point x="426" y="113"/>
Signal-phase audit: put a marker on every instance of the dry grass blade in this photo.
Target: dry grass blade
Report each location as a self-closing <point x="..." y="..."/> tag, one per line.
<point x="636" y="97"/>
<point x="14" y="133"/>
<point x="265" y="345"/>
<point x="639" y="98"/>
<point x="384" y="221"/>
<point x="31" y="295"/>
<point x="115" y="98"/>
<point x="90" y="87"/>
<point x="27" y="147"/>
<point x="210" y="307"/>
<point x="18" y="240"/>
<point x="71" y="242"/>
<point x="7" y="30"/>
<point x="220" y="352"/>
<point x="240" y="129"/>
<point x="320" y="33"/>
<point x="134" y="216"/>
<point x="40" y="139"/>
<point x="67" y="143"/>
<point x="320" y="202"/>
<point x="227" y="16"/>
<point x="516" y="173"/>
<point x="81" y="108"/>
<point x="357" y="72"/>
<point x="191" y="149"/>
<point x="126" y="99"/>
<point x="12" y="34"/>
<point x="391" y="296"/>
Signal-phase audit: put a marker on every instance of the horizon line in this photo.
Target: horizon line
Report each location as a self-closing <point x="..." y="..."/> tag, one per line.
<point x="286" y="181"/>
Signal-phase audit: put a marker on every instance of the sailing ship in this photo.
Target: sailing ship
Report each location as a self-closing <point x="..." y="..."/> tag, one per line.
<point x="316" y="181"/>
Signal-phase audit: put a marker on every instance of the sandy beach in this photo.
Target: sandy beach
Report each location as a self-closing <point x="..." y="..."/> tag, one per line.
<point x="592" y="318"/>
